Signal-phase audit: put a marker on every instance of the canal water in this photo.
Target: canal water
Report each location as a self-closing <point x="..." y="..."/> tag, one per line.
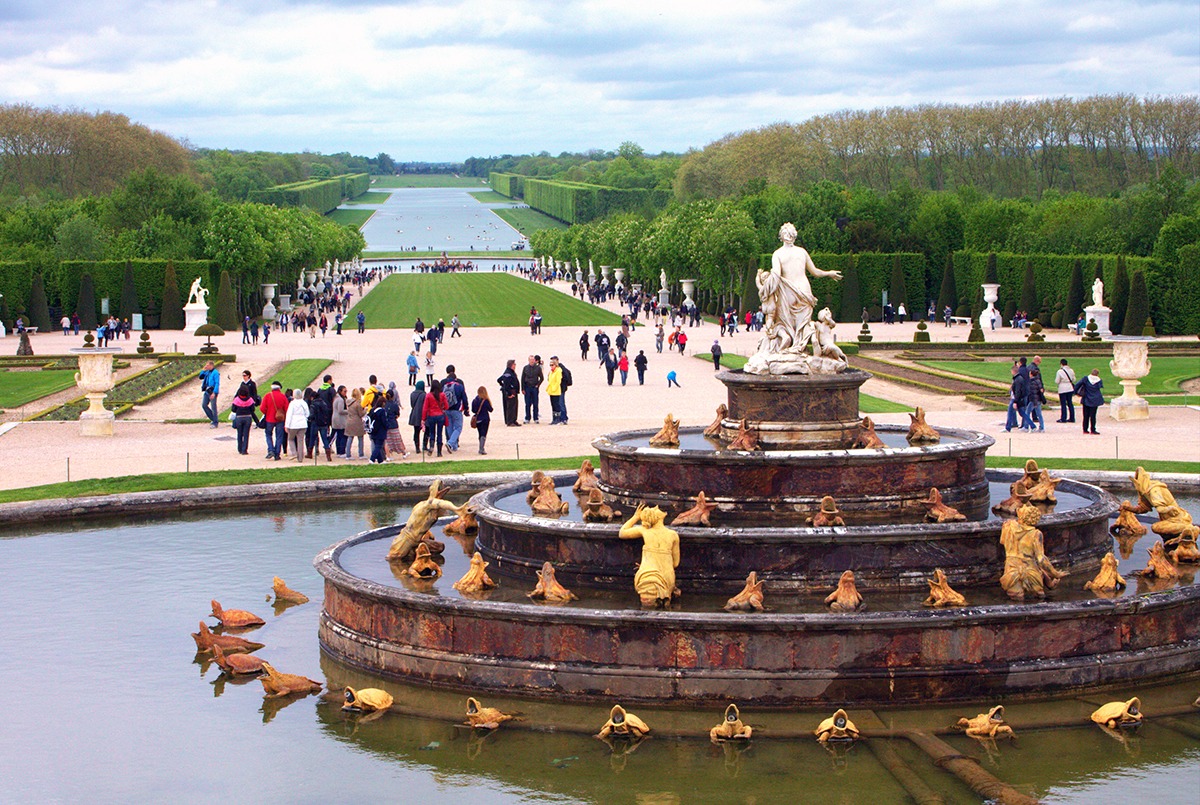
<point x="108" y="702"/>
<point x="437" y="219"/>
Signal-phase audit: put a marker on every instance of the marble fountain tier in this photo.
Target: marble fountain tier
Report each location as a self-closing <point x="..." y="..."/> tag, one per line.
<point x="604" y="646"/>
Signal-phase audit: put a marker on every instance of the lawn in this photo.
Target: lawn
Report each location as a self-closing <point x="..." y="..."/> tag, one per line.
<point x="296" y="374"/>
<point x="19" y="388"/>
<point x="1166" y="372"/>
<point x="490" y="197"/>
<point x="866" y="403"/>
<point x="528" y="221"/>
<point x="480" y="300"/>
<point x="426" y="180"/>
<point x="370" y="197"/>
<point x="354" y="218"/>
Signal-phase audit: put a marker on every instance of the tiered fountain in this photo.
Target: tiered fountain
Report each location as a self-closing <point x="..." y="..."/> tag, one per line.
<point x="809" y="445"/>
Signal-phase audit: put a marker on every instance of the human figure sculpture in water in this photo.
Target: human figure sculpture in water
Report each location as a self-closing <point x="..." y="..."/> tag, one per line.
<point x="422" y="518"/>
<point x="1027" y="569"/>
<point x="655" y="578"/>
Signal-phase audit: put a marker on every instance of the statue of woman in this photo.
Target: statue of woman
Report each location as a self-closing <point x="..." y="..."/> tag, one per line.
<point x="1098" y="293"/>
<point x="1027" y="569"/>
<point x="655" y="578"/>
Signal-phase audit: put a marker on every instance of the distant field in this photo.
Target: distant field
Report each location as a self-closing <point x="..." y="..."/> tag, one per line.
<point x="354" y="218"/>
<point x="1166" y="372"/>
<point x="480" y="300"/>
<point x="19" y="388"/>
<point x="528" y="221"/>
<point x="430" y="180"/>
<point x="490" y="197"/>
<point x="370" y="197"/>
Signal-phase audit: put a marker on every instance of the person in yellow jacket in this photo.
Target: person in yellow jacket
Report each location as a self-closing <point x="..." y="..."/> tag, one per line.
<point x="554" y="389"/>
<point x="369" y="394"/>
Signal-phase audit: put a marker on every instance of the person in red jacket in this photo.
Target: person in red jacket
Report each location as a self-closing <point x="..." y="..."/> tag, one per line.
<point x="433" y="416"/>
<point x="274" y="408"/>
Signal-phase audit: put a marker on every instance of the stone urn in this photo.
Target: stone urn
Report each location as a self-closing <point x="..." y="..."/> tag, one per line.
<point x="991" y="293"/>
<point x="310" y="277"/>
<point x="620" y="275"/>
<point x="268" y="292"/>
<point x="689" y="288"/>
<point x="95" y="380"/>
<point x="1130" y="363"/>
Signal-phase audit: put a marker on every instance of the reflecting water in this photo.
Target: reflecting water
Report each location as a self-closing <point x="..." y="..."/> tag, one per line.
<point x="108" y="702"/>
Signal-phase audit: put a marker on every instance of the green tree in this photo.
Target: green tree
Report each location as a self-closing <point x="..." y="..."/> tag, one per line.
<point x="86" y="306"/>
<point x="1074" y="294"/>
<point x="129" y="300"/>
<point x="79" y="237"/>
<point x="1119" y="299"/>
<point x="948" y="295"/>
<point x="1029" y="300"/>
<point x="225" y="313"/>
<point x="851" y="309"/>
<point x="1139" y="306"/>
<point x="992" y="273"/>
<point x="171" y="317"/>
<point x="39" y="310"/>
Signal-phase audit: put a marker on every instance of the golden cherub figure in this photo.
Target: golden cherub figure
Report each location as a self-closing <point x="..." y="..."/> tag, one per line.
<point x="655" y="578"/>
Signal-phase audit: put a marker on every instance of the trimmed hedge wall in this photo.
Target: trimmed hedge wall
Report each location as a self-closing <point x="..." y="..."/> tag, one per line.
<point x="322" y="195"/>
<point x="874" y="271"/>
<point x="507" y="184"/>
<point x="578" y="203"/>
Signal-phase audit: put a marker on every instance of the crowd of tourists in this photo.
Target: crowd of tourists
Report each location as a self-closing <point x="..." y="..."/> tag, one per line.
<point x="1027" y="396"/>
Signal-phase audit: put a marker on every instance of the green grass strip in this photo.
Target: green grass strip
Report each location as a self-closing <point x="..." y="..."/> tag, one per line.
<point x="426" y="180"/>
<point x="354" y="218"/>
<point x="296" y="374"/>
<point x="1105" y="464"/>
<point x="370" y="197"/>
<point x="308" y="472"/>
<point x="21" y="388"/>
<point x="490" y="197"/>
<point x="480" y="300"/>
<point x="527" y="221"/>
<point x="1167" y="372"/>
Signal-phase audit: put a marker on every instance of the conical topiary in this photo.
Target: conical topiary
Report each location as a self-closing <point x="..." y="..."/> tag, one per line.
<point x="948" y="295"/>
<point x="171" y="317"/>
<point x="897" y="294"/>
<point x="921" y="336"/>
<point x="1029" y="302"/>
<point x="129" y="300"/>
<point x="39" y="309"/>
<point x="24" y="348"/>
<point x="1074" y="304"/>
<point x="225" y="313"/>
<point x="86" y="306"/>
<point x="851" y="292"/>
<point x="991" y="274"/>
<point x="1147" y="329"/>
<point x="1119" y="298"/>
<point x="1092" y="331"/>
<point x="1139" y="306"/>
<point x="976" y="334"/>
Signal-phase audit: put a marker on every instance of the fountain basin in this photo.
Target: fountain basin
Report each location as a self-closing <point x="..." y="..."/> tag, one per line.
<point x="687" y="658"/>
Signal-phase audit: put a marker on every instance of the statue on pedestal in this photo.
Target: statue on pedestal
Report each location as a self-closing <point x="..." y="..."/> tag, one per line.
<point x="1098" y="293"/>
<point x="787" y="304"/>
<point x="197" y="295"/>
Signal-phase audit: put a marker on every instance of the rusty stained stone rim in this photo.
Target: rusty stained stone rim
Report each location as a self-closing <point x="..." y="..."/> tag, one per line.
<point x="971" y="442"/>
<point x="846" y="379"/>
<point x="326" y="563"/>
<point x="1104" y="505"/>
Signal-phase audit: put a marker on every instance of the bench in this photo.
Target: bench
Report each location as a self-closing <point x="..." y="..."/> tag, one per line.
<point x="960" y="319"/>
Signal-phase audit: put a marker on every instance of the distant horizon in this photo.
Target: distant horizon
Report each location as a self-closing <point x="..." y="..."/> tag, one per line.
<point x="445" y="82"/>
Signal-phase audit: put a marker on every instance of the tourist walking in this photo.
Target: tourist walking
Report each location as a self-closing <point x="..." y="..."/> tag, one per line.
<point x="454" y="333"/>
<point x="659" y="336"/>
<point x="377" y="429"/>
<point x="210" y="387"/>
<point x="414" y="364"/>
<point x="416" y="404"/>
<point x="456" y="399"/>
<point x="430" y="369"/>
<point x="354" y="424"/>
<point x="640" y="363"/>
<point x="296" y="424"/>
<point x="610" y="365"/>
<point x="1037" y="398"/>
<point x="510" y="387"/>
<point x="362" y="322"/>
<point x="433" y="417"/>
<point x="481" y="417"/>
<point x="1064" y="381"/>
<point x="585" y="344"/>
<point x="274" y="407"/>
<point x="531" y="382"/>
<point x="716" y="355"/>
<point x="243" y="406"/>
<point x="1091" y="397"/>
<point x="623" y="367"/>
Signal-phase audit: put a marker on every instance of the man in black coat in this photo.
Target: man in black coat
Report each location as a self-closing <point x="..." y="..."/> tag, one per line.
<point x="531" y="381"/>
<point x="510" y="387"/>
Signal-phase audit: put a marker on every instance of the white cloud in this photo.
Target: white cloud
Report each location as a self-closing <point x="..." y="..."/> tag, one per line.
<point x="446" y="80"/>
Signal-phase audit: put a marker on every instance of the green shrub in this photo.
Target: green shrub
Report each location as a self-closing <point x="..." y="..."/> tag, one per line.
<point x="1029" y="291"/>
<point x="1074" y="294"/>
<point x="129" y="300"/>
<point x="171" y="317"/>
<point x="864" y="335"/>
<point x="1148" y="328"/>
<point x="225" y="314"/>
<point x="1139" y="305"/>
<point x="948" y="295"/>
<point x="86" y="305"/>
<point x="1091" y="332"/>
<point x="921" y="336"/>
<point x="851" y="297"/>
<point x="39" y="309"/>
<point x="507" y="184"/>
<point x="1035" y="333"/>
<point x="976" y="334"/>
<point x="1119" y="297"/>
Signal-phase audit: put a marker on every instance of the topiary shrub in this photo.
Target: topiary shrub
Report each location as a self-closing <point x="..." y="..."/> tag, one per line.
<point x="171" y="317"/>
<point x="86" y="307"/>
<point x="39" y="309"/>
<point x="1139" y="305"/>
<point x="1148" y="329"/>
<point x="209" y="331"/>
<point x="864" y="335"/>
<point x="976" y="334"/>
<point x="225" y="313"/>
<point x="1056" y="319"/>
<point x="1035" y="333"/>
<point x="129" y="300"/>
<point x="921" y="336"/>
<point x="1091" y="332"/>
<point x="144" y="346"/>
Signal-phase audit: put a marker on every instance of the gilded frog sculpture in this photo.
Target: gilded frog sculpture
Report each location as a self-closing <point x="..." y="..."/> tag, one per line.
<point x="286" y="594"/>
<point x="750" y="599"/>
<point x="731" y="727"/>
<point x="838" y="727"/>
<point x="846" y="597"/>
<point x="867" y="438"/>
<point x="587" y="479"/>
<point x="941" y="594"/>
<point x="668" y="435"/>
<point x="938" y="512"/>
<point x="919" y="431"/>
<point x="365" y="700"/>
<point x="987" y="725"/>
<point x="476" y="579"/>
<point x="698" y="514"/>
<point x="713" y="431"/>
<point x="1108" y="580"/>
<point x="548" y="588"/>
<point x="621" y="724"/>
<point x="484" y="718"/>
<point x="828" y="515"/>
<point x="277" y="685"/>
<point x="1119" y="715"/>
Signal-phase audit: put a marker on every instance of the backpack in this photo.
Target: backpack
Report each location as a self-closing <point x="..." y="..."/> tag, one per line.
<point x="368" y="425"/>
<point x="566" y="377"/>
<point x="453" y="397"/>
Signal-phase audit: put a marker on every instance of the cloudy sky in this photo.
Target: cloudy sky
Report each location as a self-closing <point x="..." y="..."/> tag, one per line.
<point x="449" y="79"/>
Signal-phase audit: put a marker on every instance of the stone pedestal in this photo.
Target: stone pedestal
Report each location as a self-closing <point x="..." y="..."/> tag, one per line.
<point x="285" y="302"/>
<point x="1100" y="314"/>
<point x="95" y="380"/>
<point x="1130" y="363"/>
<point x="194" y="314"/>
<point x="818" y="411"/>
<point x="664" y="297"/>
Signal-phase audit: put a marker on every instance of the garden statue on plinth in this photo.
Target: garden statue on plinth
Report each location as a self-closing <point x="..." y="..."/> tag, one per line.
<point x="1096" y="311"/>
<point x="196" y="310"/>
<point x="787" y="304"/>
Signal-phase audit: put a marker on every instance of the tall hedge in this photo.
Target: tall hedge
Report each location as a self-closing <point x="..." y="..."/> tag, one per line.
<point x="1139" y="306"/>
<point x="578" y="202"/>
<point x="507" y="184"/>
<point x="1029" y="299"/>
<point x="85" y="305"/>
<point x="897" y="293"/>
<point x="992" y="274"/>
<point x="129" y="300"/>
<point x="948" y="295"/>
<point x="225" y="314"/>
<point x="39" y="309"/>
<point x="1119" y="296"/>
<point x="1074" y="304"/>
<point x="171" y="317"/>
<point x="851" y="302"/>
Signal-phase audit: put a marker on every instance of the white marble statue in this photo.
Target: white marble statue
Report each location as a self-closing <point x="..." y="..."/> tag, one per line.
<point x="662" y="279"/>
<point x="197" y="295"/>
<point x="787" y="305"/>
<point x="1098" y="293"/>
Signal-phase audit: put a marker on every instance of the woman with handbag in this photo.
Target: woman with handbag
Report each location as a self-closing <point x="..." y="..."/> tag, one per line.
<point x="481" y="416"/>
